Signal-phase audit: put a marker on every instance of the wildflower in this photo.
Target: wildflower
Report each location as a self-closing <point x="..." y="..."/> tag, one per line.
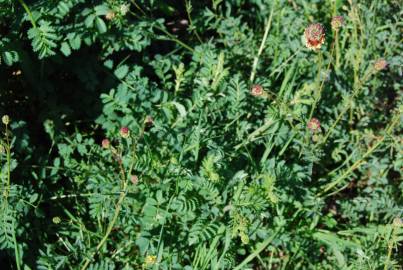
<point x="110" y="15"/>
<point x="5" y="119"/>
<point x="105" y="143"/>
<point x="150" y="260"/>
<point x="380" y="64"/>
<point x="314" y="124"/>
<point x="337" y="22"/>
<point x="134" y="179"/>
<point x="314" y="36"/>
<point x="124" y="132"/>
<point x="256" y="90"/>
<point x="124" y="8"/>
<point x="56" y="220"/>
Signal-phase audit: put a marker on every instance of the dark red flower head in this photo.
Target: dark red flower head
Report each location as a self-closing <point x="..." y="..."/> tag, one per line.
<point x="314" y="124"/>
<point x="256" y="90"/>
<point x="105" y="143"/>
<point x="124" y="132"/>
<point x="314" y="36"/>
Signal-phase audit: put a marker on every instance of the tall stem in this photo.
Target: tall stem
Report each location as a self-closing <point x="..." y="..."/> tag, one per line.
<point x="261" y="48"/>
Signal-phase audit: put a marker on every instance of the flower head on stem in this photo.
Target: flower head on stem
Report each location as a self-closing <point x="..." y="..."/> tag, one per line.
<point x="314" y="36"/>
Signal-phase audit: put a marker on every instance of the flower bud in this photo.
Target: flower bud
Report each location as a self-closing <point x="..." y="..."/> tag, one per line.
<point x="337" y="22"/>
<point x="314" y="125"/>
<point x="256" y="90"/>
<point x="5" y="119"/>
<point x="56" y="220"/>
<point x="105" y="143"/>
<point x="124" y="132"/>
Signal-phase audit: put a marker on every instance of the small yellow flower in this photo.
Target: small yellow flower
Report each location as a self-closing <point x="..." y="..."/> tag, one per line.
<point x="150" y="260"/>
<point x="5" y="119"/>
<point x="56" y="220"/>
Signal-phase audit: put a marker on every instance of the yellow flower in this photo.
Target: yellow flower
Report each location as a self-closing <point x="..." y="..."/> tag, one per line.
<point x="150" y="260"/>
<point x="56" y="220"/>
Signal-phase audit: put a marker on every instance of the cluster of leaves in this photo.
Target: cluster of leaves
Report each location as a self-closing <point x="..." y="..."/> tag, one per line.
<point x="205" y="174"/>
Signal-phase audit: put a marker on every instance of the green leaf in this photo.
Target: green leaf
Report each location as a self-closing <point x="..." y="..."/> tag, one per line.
<point x="89" y="21"/>
<point x="101" y="26"/>
<point x="8" y="58"/>
<point x="181" y="109"/>
<point x="74" y="40"/>
<point x="121" y="71"/>
<point x="65" y="49"/>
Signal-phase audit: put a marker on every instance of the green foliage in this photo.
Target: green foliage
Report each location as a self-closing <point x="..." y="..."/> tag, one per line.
<point x="137" y="137"/>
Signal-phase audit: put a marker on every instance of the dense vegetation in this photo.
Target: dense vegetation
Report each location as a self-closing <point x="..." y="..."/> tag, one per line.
<point x="222" y="134"/>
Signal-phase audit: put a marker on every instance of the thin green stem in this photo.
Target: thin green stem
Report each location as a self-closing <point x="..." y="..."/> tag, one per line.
<point x="319" y="84"/>
<point x="346" y="108"/>
<point x="279" y="67"/>
<point x="169" y="35"/>
<point x="16" y="251"/>
<point x="361" y="161"/>
<point x="188" y="5"/>
<point x="28" y="11"/>
<point x="173" y="38"/>
<point x="262" y="45"/>
<point x="260" y="248"/>
<point x="110" y="226"/>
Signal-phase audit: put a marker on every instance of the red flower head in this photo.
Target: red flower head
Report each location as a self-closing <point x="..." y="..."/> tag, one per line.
<point x="337" y="22"/>
<point x="314" y="36"/>
<point x="314" y="124"/>
<point x="124" y="132"/>
<point x="105" y="143"/>
<point x="256" y="90"/>
<point x="380" y="64"/>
